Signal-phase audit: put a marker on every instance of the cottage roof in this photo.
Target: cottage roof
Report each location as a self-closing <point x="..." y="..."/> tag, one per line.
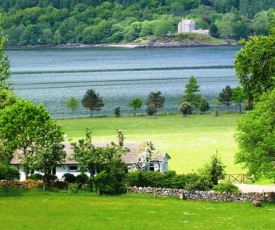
<point x="136" y="148"/>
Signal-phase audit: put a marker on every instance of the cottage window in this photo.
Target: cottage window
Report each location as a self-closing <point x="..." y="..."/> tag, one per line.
<point x="72" y="168"/>
<point x="152" y="167"/>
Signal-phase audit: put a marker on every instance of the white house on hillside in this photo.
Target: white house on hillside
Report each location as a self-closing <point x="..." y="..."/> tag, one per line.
<point x="135" y="159"/>
<point x="189" y="25"/>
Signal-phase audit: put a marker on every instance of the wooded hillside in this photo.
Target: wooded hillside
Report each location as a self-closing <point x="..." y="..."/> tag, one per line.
<point x="54" y="22"/>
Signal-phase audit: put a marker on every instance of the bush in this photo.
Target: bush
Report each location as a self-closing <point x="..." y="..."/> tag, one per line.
<point x="36" y="176"/>
<point x="195" y="182"/>
<point x="82" y="178"/>
<point x="8" y="172"/>
<point x="111" y="182"/>
<point x="226" y="187"/>
<point x="70" y="178"/>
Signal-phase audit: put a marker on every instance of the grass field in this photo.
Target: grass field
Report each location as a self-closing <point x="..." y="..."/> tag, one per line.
<point x="130" y="211"/>
<point x="190" y="141"/>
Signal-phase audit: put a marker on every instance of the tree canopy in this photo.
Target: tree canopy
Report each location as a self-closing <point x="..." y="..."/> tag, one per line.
<point x="191" y="92"/>
<point x="255" y="66"/>
<point x="155" y="99"/>
<point x="52" y="22"/>
<point x="29" y="128"/>
<point x="4" y="65"/>
<point x="255" y="137"/>
<point x="136" y="103"/>
<point x="104" y="161"/>
<point x="92" y="101"/>
<point x="225" y="96"/>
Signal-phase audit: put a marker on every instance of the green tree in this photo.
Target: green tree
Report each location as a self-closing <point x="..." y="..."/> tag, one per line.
<point x="117" y="112"/>
<point x="204" y="105"/>
<point x="7" y="98"/>
<point x="255" y="66"/>
<point x="255" y="138"/>
<point x="48" y="150"/>
<point x="136" y="103"/>
<point x="185" y="108"/>
<point x="73" y="104"/>
<point x="4" y="65"/>
<point x="151" y="109"/>
<point x="92" y="100"/>
<point x="214" y="171"/>
<point x="106" y="160"/>
<point x="20" y="126"/>
<point x="156" y="99"/>
<point x="225" y="96"/>
<point x="238" y="97"/>
<point x="191" y="92"/>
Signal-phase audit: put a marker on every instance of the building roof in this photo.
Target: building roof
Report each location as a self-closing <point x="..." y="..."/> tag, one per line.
<point x="136" y="148"/>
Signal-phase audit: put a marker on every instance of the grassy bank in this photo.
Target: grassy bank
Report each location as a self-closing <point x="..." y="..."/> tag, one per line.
<point x="190" y="141"/>
<point x="129" y="211"/>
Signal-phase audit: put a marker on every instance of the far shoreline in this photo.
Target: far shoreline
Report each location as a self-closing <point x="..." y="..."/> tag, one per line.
<point x="126" y="46"/>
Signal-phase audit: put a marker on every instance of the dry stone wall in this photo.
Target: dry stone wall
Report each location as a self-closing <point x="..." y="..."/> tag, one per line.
<point x="206" y="195"/>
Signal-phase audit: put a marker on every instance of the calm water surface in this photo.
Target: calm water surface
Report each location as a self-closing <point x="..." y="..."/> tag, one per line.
<point x="52" y="76"/>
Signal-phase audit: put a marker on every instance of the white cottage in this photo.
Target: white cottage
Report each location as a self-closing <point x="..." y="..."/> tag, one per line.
<point x="157" y="161"/>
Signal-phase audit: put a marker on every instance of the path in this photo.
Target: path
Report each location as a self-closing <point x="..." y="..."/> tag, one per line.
<point x="256" y="188"/>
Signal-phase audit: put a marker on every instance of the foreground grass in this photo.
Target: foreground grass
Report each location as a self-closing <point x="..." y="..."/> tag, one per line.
<point x="130" y="211"/>
<point x="189" y="141"/>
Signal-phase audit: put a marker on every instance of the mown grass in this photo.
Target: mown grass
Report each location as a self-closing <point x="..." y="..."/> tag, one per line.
<point x="190" y="141"/>
<point x="130" y="211"/>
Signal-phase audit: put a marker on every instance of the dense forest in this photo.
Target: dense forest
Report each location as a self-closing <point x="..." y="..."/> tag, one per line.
<point x="55" y="22"/>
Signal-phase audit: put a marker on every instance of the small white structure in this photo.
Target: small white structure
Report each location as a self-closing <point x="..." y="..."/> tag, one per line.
<point x="157" y="162"/>
<point x="189" y="25"/>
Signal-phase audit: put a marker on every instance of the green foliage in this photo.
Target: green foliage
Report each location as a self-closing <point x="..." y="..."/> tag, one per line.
<point x="8" y="172"/>
<point x="225" y="96"/>
<point x="151" y="109"/>
<point x="155" y="99"/>
<point x="7" y="98"/>
<point x="255" y="138"/>
<point x="254" y="66"/>
<point x="226" y="187"/>
<point x="36" y="176"/>
<point x="53" y="22"/>
<point x="191" y="92"/>
<point x="136" y="103"/>
<point x="185" y="108"/>
<point x="195" y="182"/>
<point x="82" y="178"/>
<point x="167" y="180"/>
<point x="73" y="188"/>
<point x="73" y="104"/>
<point x="238" y="96"/>
<point x="106" y="160"/>
<point x="117" y="112"/>
<point x="204" y="105"/>
<point x="4" y="65"/>
<point x="69" y="177"/>
<point x="92" y="100"/>
<point x="214" y="171"/>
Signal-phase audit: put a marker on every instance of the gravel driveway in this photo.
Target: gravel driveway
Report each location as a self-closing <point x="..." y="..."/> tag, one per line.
<point x="256" y="188"/>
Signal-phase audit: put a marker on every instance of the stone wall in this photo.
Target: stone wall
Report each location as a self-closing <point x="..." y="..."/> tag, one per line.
<point x="205" y="195"/>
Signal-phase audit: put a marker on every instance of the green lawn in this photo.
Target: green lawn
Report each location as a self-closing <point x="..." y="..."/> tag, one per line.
<point x="129" y="211"/>
<point x="189" y="141"/>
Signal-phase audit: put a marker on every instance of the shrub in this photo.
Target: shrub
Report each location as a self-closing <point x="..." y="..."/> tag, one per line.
<point x="110" y="183"/>
<point x="226" y="187"/>
<point x="73" y="188"/>
<point x="70" y="178"/>
<point x="81" y="178"/>
<point x="8" y="172"/>
<point x="36" y="176"/>
<point x="195" y="182"/>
